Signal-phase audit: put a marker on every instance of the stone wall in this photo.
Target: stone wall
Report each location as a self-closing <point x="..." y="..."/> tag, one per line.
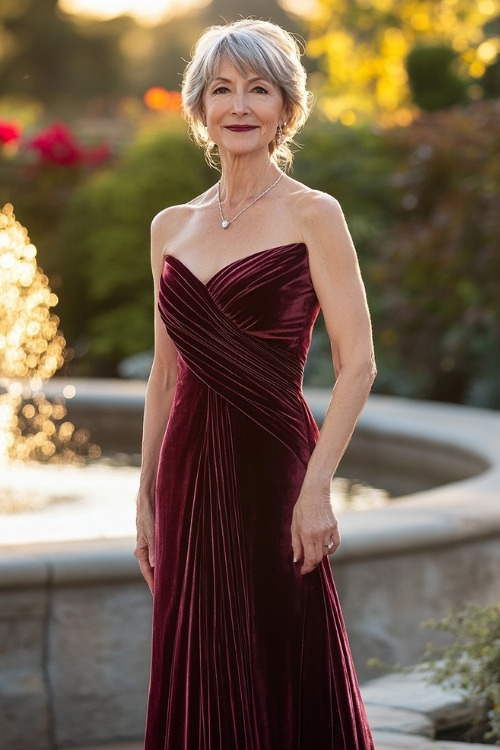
<point x="75" y="626"/>
<point x="75" y="618"/>
<point x="75" y="630"/>
<point x="385" y="599"/>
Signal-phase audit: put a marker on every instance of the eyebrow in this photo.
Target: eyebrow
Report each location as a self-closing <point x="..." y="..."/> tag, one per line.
<point x="250" y="80"/>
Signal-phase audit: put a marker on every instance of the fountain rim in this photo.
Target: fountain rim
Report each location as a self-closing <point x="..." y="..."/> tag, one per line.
<point x="444" y="516"/>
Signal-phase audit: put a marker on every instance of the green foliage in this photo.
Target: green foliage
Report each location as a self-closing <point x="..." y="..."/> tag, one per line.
<point x="422" y="203"/>
<point x="362" y="47"/>
<point x="353" y="165"/>
<point x="39" y="170"/>
<point x="102" y="252"/>
<point x="438" y="269"/>
<point x="73" y="63"/>
<point x="103" y="249"/>
<point x="434" y="81"/>
<point x="471" y="660"/>
<point x="52" y="59"/>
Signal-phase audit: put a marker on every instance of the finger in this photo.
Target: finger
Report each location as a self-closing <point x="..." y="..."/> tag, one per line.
<point x="298" y="550"/>
<point x="145" y="557"/>
<point x="332" y="543"/>
<point x="148" y="573"/>
<point x="329" y="547"/>
<point x="312" y="557"/>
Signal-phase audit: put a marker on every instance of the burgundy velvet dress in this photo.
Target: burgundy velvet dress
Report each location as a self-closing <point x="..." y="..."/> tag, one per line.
<point x="247" y="653"/>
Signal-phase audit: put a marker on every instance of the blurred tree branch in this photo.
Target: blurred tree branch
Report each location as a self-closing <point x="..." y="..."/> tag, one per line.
<point x="363" y="46"/>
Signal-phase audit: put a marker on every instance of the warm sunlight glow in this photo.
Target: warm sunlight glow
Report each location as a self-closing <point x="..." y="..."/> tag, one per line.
<point x="311" y="9"/>
<point x="160" y="99"/>
<point x="32" y="349"/>
<point x="145" y="11"/>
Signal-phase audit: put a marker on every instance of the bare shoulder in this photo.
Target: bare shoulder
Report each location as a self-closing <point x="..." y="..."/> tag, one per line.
<point x="321" y="221"/>
<point x="170" y="221"/>
<point x="316" y="210"/>
<point x="166" y="224"/>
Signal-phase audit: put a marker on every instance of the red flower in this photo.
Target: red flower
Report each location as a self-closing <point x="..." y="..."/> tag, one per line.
<point x="9" y="131"/>
<point x="56" y="144"/>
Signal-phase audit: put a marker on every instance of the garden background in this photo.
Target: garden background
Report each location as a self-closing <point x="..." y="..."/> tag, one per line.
<point x="405" y="133"/>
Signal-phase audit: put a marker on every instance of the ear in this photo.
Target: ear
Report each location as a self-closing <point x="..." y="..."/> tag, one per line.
<point x="284" y="116"/>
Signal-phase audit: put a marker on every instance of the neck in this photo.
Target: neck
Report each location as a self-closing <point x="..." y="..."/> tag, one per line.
<point x="241" y="182"/>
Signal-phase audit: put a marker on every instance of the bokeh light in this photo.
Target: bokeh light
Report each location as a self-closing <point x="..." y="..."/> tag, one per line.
<point x="31" y="351"/>
<point x="160" y="99"/>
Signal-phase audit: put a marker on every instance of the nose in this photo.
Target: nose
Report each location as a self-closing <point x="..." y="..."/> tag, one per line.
<point x="240" y="105"/>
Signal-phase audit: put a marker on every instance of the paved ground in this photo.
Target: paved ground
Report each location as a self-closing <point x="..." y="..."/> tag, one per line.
<point x="383" y="741"/>
<point x="403" y="711"/>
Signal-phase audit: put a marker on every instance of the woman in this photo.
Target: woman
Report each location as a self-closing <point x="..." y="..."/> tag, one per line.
<point x="234" y="518"/>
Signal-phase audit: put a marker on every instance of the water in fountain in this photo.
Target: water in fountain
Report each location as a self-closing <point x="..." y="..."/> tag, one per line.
<point x="32" y="349"/>
<point x="33" y="429"/>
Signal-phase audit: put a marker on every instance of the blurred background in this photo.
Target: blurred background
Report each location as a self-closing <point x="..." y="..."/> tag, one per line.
<point x="405" y="133"/>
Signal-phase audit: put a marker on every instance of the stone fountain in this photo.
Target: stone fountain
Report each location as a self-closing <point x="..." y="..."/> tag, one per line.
<point x="76" y="615"/>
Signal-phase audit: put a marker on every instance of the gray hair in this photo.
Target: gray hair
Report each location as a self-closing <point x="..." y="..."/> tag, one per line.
<point x="258" y="46"/>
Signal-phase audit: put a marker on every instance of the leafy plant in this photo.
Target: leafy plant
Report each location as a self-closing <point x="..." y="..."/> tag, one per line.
<point x="438" y="269"/>
<point x="434" y="81"/>
<point x="102" y="251"/>
<point x="471" y="660"/>
<point x="353" y="164"/>
<point x="39" y="171"/>
<point x="362" y="47"/>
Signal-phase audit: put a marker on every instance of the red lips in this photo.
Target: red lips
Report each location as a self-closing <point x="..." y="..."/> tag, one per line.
<point x="241" y="128"/>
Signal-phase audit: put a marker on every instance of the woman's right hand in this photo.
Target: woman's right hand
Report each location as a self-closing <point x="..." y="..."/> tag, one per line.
<point x="144" y="548"/>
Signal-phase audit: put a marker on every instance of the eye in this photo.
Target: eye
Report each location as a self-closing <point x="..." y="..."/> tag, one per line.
<point x="220" y="90"/>
<point x="260" y="90"/>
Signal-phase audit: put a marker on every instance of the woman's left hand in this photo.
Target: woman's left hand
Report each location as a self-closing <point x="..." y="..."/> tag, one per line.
<point x="315" y="531"/>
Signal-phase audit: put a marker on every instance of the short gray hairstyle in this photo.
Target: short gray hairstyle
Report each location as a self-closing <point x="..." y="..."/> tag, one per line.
<point x="251" y="45"/>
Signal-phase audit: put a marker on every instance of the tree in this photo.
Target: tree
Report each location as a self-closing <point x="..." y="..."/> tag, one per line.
<point x="363" y="46"/>
<point x="434" y="83"/>
<point x="67" y="61"/>
<point x="48" y="57"/>
<point x="437" y="323"/>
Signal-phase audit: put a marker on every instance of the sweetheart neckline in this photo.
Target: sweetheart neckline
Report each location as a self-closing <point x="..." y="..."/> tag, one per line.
<point x="235" y="262"/>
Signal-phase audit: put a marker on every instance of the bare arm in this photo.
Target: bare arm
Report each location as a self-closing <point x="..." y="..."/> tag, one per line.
<point x="159" y="397"/>
<point x="337" y="281"/>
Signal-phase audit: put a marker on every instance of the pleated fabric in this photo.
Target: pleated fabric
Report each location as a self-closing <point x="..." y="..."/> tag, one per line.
<point x="247" y="653"/>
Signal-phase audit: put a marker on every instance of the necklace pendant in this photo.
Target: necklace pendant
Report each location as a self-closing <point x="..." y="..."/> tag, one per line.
<point x="224" y="222"/>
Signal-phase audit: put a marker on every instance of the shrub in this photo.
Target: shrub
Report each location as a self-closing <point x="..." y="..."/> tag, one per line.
<point x="354" y="165"/>
<point x="437" y="324"/>
<point x="102" y="252"/>
<point x="471" y="660"/>
<point x="39" y="171"/>
<point x="423" y="205"/>
<point x="434" y="81"/>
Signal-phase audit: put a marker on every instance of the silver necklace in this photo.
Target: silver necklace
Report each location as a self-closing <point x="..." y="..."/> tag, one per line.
<point x="225" y="223"/>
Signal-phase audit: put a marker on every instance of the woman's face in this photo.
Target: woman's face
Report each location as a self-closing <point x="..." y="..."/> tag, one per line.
<point x="242" y="113"/>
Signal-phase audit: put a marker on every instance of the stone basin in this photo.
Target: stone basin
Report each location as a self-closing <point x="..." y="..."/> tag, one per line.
<point x="75" y="616"/>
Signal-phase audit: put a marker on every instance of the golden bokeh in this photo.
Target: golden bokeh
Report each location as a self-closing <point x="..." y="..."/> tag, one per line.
<point x="31" y="351"/>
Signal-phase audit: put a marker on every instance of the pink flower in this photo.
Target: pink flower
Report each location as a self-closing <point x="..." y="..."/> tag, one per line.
<point x="9" y="131"/>
<point x="57" y="145"/>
